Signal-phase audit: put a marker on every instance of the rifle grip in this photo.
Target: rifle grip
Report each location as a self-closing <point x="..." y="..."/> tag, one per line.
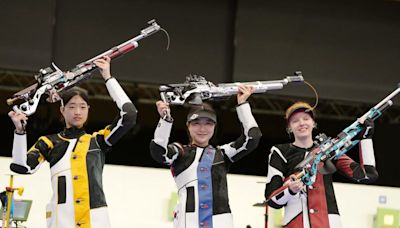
<point x="163" y="98"/>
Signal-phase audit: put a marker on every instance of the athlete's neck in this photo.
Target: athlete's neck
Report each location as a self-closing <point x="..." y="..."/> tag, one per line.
<point x="303" y="143"/>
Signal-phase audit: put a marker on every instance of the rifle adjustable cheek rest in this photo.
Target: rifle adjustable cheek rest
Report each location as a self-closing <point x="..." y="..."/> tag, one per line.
<point x="195" y="99"/>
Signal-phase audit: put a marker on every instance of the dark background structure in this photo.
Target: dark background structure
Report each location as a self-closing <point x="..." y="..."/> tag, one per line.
<point x="349" y="50"/>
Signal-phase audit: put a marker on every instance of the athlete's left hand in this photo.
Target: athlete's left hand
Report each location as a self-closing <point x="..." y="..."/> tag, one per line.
<point x="244" y="92"/>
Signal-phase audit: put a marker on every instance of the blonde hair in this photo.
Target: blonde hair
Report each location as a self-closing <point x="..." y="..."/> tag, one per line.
<point x="299" y="106"/>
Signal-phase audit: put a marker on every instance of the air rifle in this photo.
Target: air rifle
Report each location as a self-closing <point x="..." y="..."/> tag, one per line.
<point x="197" y="89"/>
<point x="52" y="80"/>
<point x="328" y="148"/>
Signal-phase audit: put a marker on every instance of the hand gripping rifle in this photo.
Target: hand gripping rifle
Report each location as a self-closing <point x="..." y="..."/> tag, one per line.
<point x="196" y="89"/>
<point x="328" y="148"/>
<point x="52" y="80"/>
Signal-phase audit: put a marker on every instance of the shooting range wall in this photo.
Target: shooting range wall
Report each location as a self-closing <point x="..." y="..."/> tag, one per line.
<point x="140" y="197"/>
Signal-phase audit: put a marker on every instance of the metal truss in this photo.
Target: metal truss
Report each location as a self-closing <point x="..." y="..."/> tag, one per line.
<point x="11" y="80"/>
<point x="326" y="109"/>
<point x="267" y="104"/>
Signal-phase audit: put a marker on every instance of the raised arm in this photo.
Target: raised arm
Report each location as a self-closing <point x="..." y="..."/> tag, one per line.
<point x="159" y="148"/>
<point x="251" y="134"/>
<point x="365" y="171"/>
<point x="127" y="116"/>
<point x="24" y="162"/>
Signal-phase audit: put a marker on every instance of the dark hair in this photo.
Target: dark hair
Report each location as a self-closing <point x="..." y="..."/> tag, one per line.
<point x="67" y="95"/>
<point x="70" y="93"/>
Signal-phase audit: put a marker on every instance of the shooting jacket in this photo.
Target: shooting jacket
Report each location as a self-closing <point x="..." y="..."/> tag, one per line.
<point x="76" y="164"/>
<point x="315" y="206"/>
<point x="200" y="173"/>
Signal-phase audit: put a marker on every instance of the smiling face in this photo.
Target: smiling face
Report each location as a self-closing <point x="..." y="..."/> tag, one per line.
<point x="75" y="112"/>
<point x="201" y="131"/>
<point x="301" y="124"/>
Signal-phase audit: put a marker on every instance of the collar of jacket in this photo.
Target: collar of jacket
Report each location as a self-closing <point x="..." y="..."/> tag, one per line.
<point x="73" y="132"/>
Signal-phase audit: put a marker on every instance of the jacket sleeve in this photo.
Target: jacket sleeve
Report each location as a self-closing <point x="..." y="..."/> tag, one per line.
<point x="160" y="150"/>
<point x="24" y="162"/>
<point x="126" y="118"/>
<point x="275" y="179"/>
<point x="250" y="137"/>
<point x="363" y="172"/>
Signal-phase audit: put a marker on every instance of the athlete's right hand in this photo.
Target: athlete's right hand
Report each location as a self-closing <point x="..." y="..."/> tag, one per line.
<point x="18" y="118"/>
<point x="162" y="108"/>
<point x="295" y="185"/>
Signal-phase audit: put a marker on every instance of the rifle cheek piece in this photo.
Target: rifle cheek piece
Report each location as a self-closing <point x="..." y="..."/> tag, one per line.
<point x="195" y="99"/>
